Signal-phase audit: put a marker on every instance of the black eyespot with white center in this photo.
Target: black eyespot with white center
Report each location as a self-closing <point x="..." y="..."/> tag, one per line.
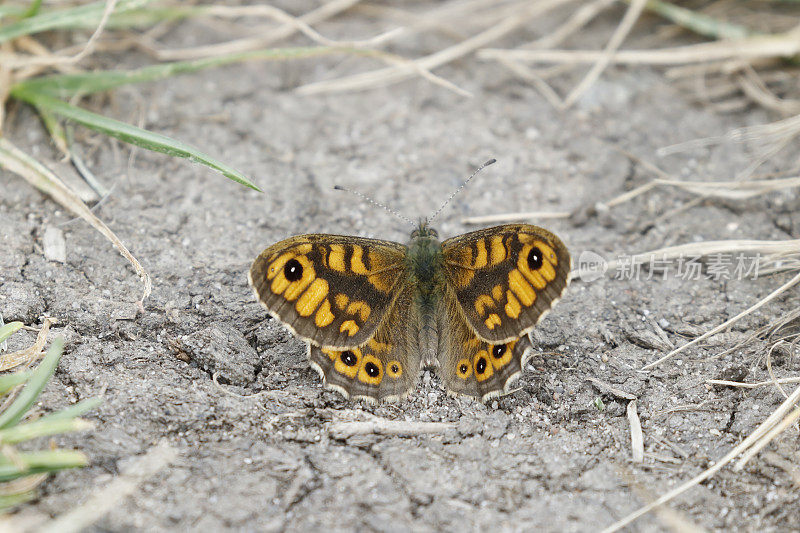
<point x="463" y="369"/>
<point x="293" y="270"/>
<point x="499" y="350"/>
<point x="480" y="366"/>
<point x="535" y="258"/>
<point x="395" y="368"/>
<point x="372" y="370"/>
<point x="349" y="358"/>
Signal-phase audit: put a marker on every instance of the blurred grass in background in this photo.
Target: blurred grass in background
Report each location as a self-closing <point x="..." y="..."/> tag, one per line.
<point x="21" y="467"/>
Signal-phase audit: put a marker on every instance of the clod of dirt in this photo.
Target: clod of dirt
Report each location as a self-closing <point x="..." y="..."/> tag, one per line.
<point x="223" y="350"/>
<point x="648" y="339"/>
<point x="19" y="301"/>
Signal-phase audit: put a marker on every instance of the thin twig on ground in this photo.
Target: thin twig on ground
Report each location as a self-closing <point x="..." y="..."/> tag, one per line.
<point x="777" y="419"/>
<point x="391" y="75"/>
<point x="774" y="294"/>
<point x="382" y="426"/>
<point x="626" y="24"/>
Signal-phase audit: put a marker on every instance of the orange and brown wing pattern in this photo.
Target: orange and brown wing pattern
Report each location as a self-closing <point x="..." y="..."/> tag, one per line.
<point x="331" y="290"/>
<point x="506" y="278"/>
<point x="471" y="366"/>
<point x="385" y="368"/>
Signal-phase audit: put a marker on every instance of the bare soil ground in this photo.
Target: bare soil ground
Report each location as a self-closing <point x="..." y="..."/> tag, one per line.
<point x="546" y="456"/>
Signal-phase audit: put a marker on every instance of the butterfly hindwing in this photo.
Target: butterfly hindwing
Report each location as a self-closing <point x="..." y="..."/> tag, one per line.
<point x="331" y="290"/>
<point x="385" y="368"/>
<point x="506" y="278"/>
<point x="471" y="366"/>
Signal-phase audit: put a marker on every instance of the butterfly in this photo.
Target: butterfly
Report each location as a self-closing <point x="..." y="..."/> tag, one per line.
<point x="375" y="313"/>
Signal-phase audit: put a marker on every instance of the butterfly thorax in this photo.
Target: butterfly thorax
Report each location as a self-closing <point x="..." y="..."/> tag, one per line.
<point x="425" y="268"/>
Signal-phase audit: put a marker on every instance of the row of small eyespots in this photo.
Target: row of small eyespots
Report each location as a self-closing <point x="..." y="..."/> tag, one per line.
<point x="367" y="368"/>
<point x="501" y="355"/>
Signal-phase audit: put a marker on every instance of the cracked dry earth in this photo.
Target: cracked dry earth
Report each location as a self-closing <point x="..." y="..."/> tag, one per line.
<point x="260" y="451"/>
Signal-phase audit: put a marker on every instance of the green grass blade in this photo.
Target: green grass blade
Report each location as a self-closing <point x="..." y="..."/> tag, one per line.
<point x="9" y="381"/>
<point x="697" y="22"/>
<point x="38" y="380"/>
<point x="76" y="17"/>
<point x="42" y="428"/>
<point x="78" y="409"/>
<point x="9" y="329"/>
<point x="11" y="11"/>
<point x="33" y="10"/>
<point x="38" y="462"/>
<point x="14" y="499"/>
<point x="69" y="85"/>
<point x="128" y="133"/>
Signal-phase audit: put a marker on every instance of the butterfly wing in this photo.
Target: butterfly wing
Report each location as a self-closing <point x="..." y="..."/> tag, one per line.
<point x="386" y="367"/>
<point x="506" y="278"/>
<point x="471" y="366"/>
<point x="330" y="290"/>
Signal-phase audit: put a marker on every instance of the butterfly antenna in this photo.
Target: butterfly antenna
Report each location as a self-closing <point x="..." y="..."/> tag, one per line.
<point x="486" y="164"/>
<point x="376" y="203"/>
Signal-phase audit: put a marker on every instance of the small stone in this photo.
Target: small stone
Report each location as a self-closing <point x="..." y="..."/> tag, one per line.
<point x="222" y="349"/>
<point x="54" y="245"/>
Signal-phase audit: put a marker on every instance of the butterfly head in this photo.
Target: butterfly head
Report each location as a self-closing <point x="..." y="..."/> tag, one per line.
<point x="424" y="232"/>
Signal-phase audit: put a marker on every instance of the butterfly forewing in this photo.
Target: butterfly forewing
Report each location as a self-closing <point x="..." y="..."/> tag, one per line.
<point x="506" y="278"/>
<point x="331" y="290"/>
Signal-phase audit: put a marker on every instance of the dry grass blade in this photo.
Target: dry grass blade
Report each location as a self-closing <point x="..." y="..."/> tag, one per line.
<point x="20" y="163"/>
<point x="390" y="75"/>
<point x="528" y="74"/>
<point x="303" y="27"/>
<point x="628" y="20"/>
<point x="741" y="385"/>
<point x="767" y="134"/>
<point x="28" y="355"/>
<point x="774" y="294"/>
<point x="734" y="190"/>
<point x="775" y="420"/>
<point x="637" y="440"/>
<point x="758" y="47"/>
<point x="754" y="88"/>
<point x="580" y="18"/>
<point x="382" y="426"/>
<point x="15" y="61"/>
<point x="767" y="438"/>
<point x="23" y="484"/>
<point x="320" y="14"/>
